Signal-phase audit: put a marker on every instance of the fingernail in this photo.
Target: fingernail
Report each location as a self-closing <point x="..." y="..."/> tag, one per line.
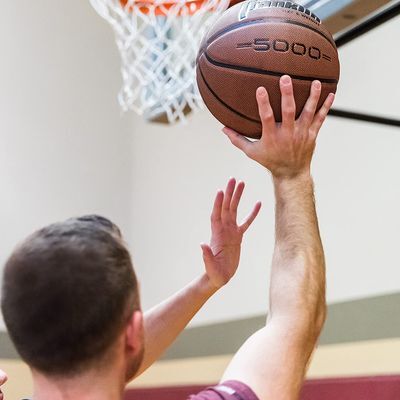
<point x="317" y="84"/>
<point x="286" y="80"/>
<point x="261" y="91"/>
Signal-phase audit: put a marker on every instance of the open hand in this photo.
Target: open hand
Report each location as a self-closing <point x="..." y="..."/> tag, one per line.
<point x="222" y="256"/>
<point x="285" y="148"/>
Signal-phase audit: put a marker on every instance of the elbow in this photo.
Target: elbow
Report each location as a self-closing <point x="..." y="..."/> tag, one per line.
<point x="317" y="314"/>
<point x="320" y="318"/>
<point x="313" y="326"/>
<point x="316" y="295"/>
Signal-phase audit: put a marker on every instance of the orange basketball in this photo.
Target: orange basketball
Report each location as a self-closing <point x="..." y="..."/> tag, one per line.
<point x="253" y="44"/>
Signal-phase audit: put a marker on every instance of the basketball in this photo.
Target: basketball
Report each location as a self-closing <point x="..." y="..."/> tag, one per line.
<point x="253" y="44"/>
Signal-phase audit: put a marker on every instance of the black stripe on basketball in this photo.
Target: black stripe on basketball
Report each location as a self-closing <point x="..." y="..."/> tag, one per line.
<point x="222" y="102"/>
<point x="265" y="72"/>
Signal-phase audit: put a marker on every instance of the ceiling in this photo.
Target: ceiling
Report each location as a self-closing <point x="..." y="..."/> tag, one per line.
<point x="339" y="15"/>
<point x="325" y="8"/>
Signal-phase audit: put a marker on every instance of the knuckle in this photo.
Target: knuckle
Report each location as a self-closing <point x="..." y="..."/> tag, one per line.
<point x="289" y="109"/>
<point x="288" y="114"/>
<point x="267" y="115"/>
<point x="237" y="143"/>
<point x="313" y="132"/>
<point x="232" y="138"/>
<point x="308" y="112"/>
<point x="248" y="150"/>
<point x="321" y="117"/>
<point x="325" y="109"/>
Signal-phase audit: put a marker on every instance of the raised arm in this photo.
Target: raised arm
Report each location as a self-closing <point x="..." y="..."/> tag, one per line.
<point x="273" y="361"/>
<point x="166" y="321"/>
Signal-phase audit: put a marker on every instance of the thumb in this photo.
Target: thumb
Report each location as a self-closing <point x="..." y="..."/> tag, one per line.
<point x="237" y="140"/>
<point x="207" y="252"/>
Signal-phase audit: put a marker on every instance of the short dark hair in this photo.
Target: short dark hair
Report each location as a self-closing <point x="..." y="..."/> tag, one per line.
<point x="98" y="221"/>
<point x="68" y="291"/>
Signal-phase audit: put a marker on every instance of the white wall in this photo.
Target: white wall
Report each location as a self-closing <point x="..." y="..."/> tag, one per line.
<point x="177" y="171"/>
<point x="64" y="148"/>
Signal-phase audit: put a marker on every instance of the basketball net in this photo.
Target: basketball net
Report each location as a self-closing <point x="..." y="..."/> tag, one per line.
<point x="158" y="43"/>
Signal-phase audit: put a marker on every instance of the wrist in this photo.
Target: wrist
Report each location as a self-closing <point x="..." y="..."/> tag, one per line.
<point x="294" y="186"/>
<point x="301" y="177"/>
<point x="204" y="285"/>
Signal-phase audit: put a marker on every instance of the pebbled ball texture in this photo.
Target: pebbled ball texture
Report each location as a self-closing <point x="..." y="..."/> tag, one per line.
<point x="253" y="44"/>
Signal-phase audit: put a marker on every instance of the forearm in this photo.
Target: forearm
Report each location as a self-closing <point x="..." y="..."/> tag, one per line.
<point x="298" y="271"/>
<point x="273" y="361"/>
<point x="164" y="322"/>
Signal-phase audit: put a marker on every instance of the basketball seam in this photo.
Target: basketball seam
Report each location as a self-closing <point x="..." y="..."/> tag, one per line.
<point x="223" y="103"/>
<point x="264" y="72"/>
<point x="237" y="25"/>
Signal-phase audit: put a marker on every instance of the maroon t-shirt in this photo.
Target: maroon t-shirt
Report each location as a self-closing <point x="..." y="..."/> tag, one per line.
<point x="229" y="390"/>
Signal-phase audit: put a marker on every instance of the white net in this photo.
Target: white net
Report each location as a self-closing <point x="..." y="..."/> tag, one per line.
<point x="158" y="42"/>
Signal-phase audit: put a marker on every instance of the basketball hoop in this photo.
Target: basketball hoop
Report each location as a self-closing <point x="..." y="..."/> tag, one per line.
<point x="158" y="42"/>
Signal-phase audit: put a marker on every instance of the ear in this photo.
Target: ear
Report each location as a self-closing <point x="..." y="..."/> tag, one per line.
<point x="134" y="333"/>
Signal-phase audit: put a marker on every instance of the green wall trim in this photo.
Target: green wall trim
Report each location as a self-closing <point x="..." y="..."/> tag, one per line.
<point x="216" y="339"/>
<point x="7" y="349"/>
<point x="371" y="318"/>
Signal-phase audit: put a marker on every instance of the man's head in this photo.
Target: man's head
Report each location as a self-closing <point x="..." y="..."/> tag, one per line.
<point x="69" y="294"/>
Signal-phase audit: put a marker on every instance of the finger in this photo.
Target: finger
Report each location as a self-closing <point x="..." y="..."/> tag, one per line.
<point x="265" y="110"/>
<point x="236" y="197"/>
<point x="321" y="115"/>
<point x="287" y="103"/>
<point x="3" y="377"/>
<point x="238" y="140"/>
<point x="230" y="187"/>
<point x="308" y="113"/>
<point x="250" y="218"/>
<point x="217" y="208"/>
<point x="207" y="252"/>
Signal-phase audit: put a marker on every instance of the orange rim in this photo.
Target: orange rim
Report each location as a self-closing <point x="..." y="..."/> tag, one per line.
<point x="162" y="9"/>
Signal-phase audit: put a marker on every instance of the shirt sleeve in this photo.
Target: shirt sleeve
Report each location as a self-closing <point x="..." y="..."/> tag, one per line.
<point x="230" y="390"/>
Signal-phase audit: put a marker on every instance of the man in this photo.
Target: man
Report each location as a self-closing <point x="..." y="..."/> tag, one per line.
<point x="71" y="302"/>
